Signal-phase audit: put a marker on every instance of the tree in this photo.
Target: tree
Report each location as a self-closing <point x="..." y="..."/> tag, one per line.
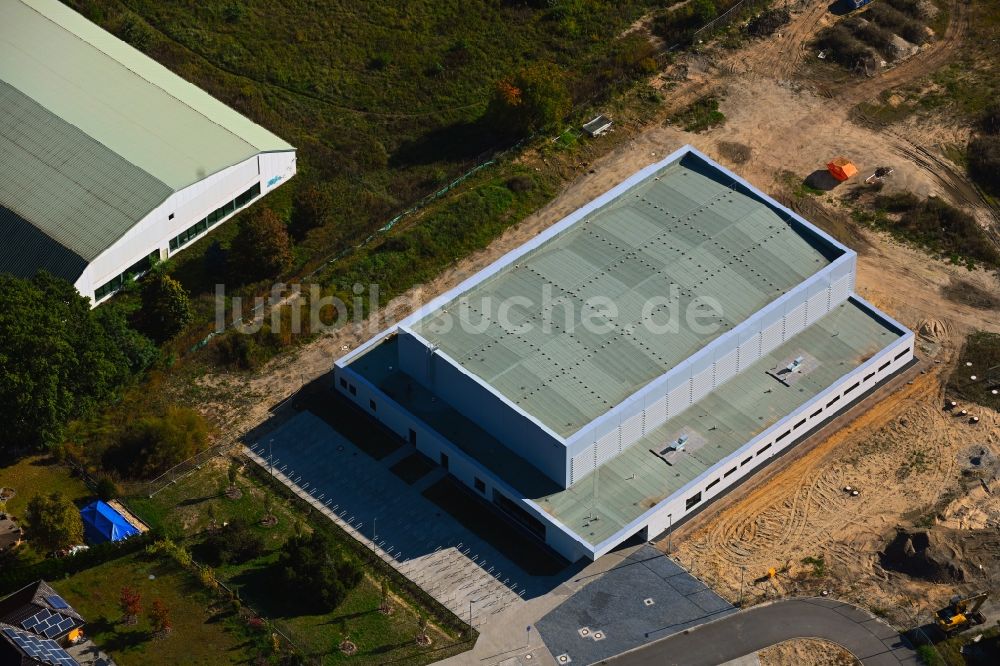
<point x="59" y="360"/>
<point x="159" y="618"/>
<point x="312" y="208"/>
<point x="166" y="308"/>
<point x="314" y="574"/>
<point x="704" y="10"/>
<point x="53" y="522"/>
<point x="262" y="247"/>
<point x="535" y="98"/>
<point x="236" y="543"/>
<point x="130" y="603"/>
<point x="385" y="607"/>
<point x="153" y="444"/>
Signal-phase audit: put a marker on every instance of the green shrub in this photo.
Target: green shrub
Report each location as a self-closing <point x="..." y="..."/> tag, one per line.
<point x="314" y="574"/>
<point x="153" y="444"/>
<point x="892" y="19"/>
<point x="984" y="161"/>
<point x="937" y="226"/>
<point x="236" y="543"/>
<point x="842" y="47"/>
<point x="873" y="35"/>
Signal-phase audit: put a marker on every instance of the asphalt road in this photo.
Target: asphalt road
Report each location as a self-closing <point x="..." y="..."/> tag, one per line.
<point x="870" y="639"/>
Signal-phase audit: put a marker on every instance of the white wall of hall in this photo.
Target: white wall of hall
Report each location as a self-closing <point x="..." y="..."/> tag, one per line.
<point x="187" y="206"/>
<point x="460" y="465"/>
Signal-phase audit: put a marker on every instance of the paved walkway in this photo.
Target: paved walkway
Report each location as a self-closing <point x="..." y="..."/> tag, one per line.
<point x="646" y="597"/>
<point x="867" y="637"/>
<point x="408" y="531"/>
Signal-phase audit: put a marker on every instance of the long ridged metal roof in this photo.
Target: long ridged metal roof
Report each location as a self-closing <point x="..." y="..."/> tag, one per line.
<point x="73" y="188"/>
<point x="101" y="133"/>
<point x="683" y="227"/>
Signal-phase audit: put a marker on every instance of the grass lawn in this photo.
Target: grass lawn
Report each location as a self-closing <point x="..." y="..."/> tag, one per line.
<point x="982" y="349"/>
<point x="186" y="509"/>
<point x="40" y="474"/>
<point x="202" y="633"/>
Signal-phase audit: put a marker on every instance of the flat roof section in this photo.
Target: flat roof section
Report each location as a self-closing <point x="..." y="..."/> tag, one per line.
<point x="686" y="225"/>
<point x="723" y="421"/>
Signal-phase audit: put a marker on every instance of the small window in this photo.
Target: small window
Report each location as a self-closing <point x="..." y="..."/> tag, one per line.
<point x="170" y="217"/>
<point x="711" y="485"/>
<point x="764" y="449"/>
<point x="371" y="403"/>
<point x="480" y="486"/>
<point x="867" y="377"/>
<point x="851" y="387"/>
<point x="691" y="501"/>
<point x="746" y="462"/>
<point x="800" y="424"/>
<point x="783" y="435"/>
<point x="833" y="401"/>
<point x="901" y="354"/>
<point x="343" y="383"/>
<point x="353" y="389"/>
<point x="816" y="413"/>
<point x="884" y="366"/>
<point x="729" y="472"/>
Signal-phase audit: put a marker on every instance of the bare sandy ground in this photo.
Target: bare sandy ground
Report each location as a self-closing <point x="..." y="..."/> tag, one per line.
<point x="806" y="651"/>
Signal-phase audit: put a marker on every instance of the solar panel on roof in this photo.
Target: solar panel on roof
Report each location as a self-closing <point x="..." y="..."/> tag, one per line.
<point x="56" y="601"/>
<point x="66" y="624"/>
<point x="51" y="631"/>
<point x="43" y="614"/>
<point x="30" y="623"/>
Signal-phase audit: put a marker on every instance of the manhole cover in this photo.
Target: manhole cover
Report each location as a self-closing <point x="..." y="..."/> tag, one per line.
<point x="563" y="659"/>
<point x="648" y="601"/>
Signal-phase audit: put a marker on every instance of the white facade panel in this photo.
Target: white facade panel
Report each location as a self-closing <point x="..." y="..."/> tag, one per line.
<point x="179" y="212"/>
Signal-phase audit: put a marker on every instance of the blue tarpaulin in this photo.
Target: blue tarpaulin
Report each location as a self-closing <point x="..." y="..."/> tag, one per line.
<point x="101" y="523"/>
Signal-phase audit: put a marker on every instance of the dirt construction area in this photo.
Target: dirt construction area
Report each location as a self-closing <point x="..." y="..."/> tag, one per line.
<point x="916" y="467"/>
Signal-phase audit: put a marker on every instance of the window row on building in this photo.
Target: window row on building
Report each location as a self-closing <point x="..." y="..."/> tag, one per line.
<point x="695" y="499"/>
<point x="135" y="270"/>
<point x="213" y="218"/>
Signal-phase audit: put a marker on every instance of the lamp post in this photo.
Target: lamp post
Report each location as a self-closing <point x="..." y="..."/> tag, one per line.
<point x="670" y="529"/>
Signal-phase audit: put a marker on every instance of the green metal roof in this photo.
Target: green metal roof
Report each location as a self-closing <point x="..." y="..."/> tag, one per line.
<point x="95" y="134"/>
<point x="682" y="226"/>
<point x="725" y="420"/>
<point x="72" y="188"/>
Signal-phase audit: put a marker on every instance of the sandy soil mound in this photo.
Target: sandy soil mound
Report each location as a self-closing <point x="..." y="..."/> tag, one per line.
<point x="923" y="554"/>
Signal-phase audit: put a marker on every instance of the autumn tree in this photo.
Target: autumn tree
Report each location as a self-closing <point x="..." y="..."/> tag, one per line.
<point x="53" y="522"/>
<point x="159" y="618"/>
<point x="166" y="308"/>
<point x="261" y="249"/>
<point x="311" y="208"/>
<point x="534" y="98"/>
<point x="130" y="604"/>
